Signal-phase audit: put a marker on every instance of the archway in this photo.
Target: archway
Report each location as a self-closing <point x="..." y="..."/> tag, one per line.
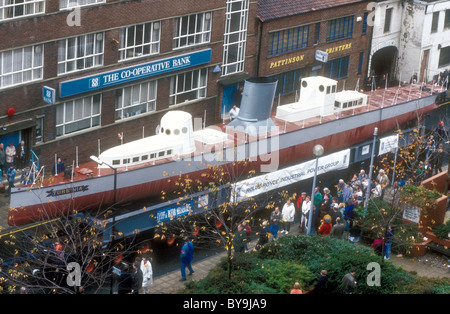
<point x="384" y="61"/>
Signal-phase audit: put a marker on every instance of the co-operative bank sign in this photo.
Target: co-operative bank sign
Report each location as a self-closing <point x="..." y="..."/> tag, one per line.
<point x="128" y="74"/>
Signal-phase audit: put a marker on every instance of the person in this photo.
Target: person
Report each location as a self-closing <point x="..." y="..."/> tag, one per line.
<point x="2" y="160"/>
<point x="20" y="155"/>
<point x="321" y="286"/>
<point x="299" y="204"/>
<point x="439" y="159"/>
<point x="354" y="232"/>
<point x="348" y="282"/>
<point x="11" y="176"/>
<point x="377" y="245"/>
<point x="234" y="112"/>
<point x="318" y="198"/>
<point x="27" y="176"/>
<point x="377" y="191"/>
<point x="306" y="207"/>
<point x="389" y="237"/>
<point x="362" y="175"/>
<point x="238" y="96"/>
<point x="10" y="153"/>
<point x="413" y="79"/>
<point x="147" y="274"/>
<point x="340" y="185"/>
<point x="288" y="214"/>
<point x="383" y="179"/>
<point x="348" y="213"/>
<point x="325" y="227"/>
<point x="137" y="278"/>
<point x="382" y="82"/>
<point x="248" y="232"/>
<point x="263" y="235"/>
<point x="296" y="289"/>
<point x="338" y="229"/>
<point x="347" y="193"/>
<point x="187" y="254"/>
<point x="275" y="218"/>
<point x="240" y="239"/>
<point x="368" y="84"/>
<point x="335" y="213"/>
<point x="59" y="167"/>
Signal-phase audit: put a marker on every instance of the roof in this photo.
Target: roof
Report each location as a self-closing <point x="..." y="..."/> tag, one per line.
<point x="274" y="9"/>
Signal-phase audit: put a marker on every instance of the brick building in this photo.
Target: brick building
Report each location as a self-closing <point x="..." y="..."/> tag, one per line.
<point x="76" y="74"/>
<point x="294" y="31"/>
<point x="82" y="72"/>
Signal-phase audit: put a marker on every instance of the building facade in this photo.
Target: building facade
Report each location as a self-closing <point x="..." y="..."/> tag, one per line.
<point x="308" y="38"/>
<point x="78" y="77"/>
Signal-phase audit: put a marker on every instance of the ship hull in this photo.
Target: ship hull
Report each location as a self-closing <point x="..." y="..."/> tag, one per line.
<point x="33" y="204"/>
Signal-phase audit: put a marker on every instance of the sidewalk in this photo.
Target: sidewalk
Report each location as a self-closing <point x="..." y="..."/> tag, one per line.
<point x="170" y="283"/>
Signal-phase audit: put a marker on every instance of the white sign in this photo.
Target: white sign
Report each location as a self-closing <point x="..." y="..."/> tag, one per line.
<point x="388" y="144"/>
<point x="321" y="56"/>
<point x="277" y="179"/>
<point x="412" y="214"/>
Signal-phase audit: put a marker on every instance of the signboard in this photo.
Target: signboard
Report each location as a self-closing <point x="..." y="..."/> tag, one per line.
<point x="173" y="212"/>
<point x="388" y="144"/>
<point x="274" y="180"/>
<point x="48" y="95"/>
<point x="321" y="56"/>
<point x="128" y="74"/>
<point x="412" y="214"/>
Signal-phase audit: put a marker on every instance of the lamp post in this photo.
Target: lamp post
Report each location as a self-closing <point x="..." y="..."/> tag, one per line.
<point x="101" y="162"/>
<point x="375" y="133"/>
<point x="317" y="151"/>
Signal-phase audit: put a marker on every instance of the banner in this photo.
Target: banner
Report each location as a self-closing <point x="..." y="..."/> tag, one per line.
<point x="274" y="180"/>
<point x="388" y="144"/>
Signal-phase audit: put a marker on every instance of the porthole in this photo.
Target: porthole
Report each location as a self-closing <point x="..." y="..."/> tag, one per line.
<point x="184" y="130"/>
<point x="168" y="131"/>
<point x="176" y="132"/>
<point x="321" y="88"/>
<point x="304" y="84"/>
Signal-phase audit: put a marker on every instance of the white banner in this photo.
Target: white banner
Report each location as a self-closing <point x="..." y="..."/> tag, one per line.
<point x="388" y="144"/>
<point x="274" y="180"/>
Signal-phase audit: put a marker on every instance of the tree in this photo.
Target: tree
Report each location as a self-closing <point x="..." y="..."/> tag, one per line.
<point x="218" y="222"/>
<point x="64" y="255"/>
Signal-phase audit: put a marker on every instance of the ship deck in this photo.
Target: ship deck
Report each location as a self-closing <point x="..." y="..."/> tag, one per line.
<point x="380" y="98"/>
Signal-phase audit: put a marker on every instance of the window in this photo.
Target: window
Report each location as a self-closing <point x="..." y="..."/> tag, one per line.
<point x="64" y="4"/>
<point x="435" y="22"/>
<point x="289" y="82"/>
<point x="444" y="57"/>
<point x="316" y="33"/>
<point x="360" y="62"/>
<point x="387" y="20"/>
<point x="337" y="68"/>
<point x="21" y="65"/>
<point x="288" y="40"/>
<point x="78" y="114"/>
<point x="188" y="86"/>
<point x="364" y="27"/>
<point x="447" y="19"/>
<point x="135" y="100"/>
<point x="340" y="28"/>
<point x="235" y="36"/>
<point x="192" y="29"/>
<point x="79" y="53"/>
<point x="139" y="40"/>
<point x="39" y="129"/>
<point x="10" y="9"/>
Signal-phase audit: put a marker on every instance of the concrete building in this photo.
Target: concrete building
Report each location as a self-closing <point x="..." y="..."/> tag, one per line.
<point x="410" y="37"/>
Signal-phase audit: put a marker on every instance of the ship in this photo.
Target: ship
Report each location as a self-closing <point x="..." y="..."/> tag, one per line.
<point x="272" y="138"/>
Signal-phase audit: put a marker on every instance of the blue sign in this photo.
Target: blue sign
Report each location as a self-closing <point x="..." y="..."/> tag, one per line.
<point x="128" y="74"/>
<point x="48" y="95"/>
<point x="174" y="212"/>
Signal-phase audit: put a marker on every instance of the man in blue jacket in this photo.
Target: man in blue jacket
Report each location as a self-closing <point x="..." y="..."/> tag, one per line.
<point x="187" y="253"/>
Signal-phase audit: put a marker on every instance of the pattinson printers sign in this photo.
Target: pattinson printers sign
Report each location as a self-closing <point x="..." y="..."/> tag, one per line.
<point x="277" y="179"/>
<point x="388" y="144"/>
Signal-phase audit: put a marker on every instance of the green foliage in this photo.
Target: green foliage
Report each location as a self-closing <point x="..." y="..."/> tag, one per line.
<point x="279" y="264"/>
<point x="442" y="231"/>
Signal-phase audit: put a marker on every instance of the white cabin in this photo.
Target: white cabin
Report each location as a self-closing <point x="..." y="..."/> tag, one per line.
<point x="175" y="139"/>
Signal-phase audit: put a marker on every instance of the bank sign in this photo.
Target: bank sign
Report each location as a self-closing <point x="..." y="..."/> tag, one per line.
<point x="136" y="72"/>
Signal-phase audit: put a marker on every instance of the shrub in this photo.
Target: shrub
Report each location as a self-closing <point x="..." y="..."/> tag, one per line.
<point x="442" y="231"/>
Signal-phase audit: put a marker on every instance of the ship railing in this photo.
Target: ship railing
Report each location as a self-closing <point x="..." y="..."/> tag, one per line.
<point x="38" y="175"/>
